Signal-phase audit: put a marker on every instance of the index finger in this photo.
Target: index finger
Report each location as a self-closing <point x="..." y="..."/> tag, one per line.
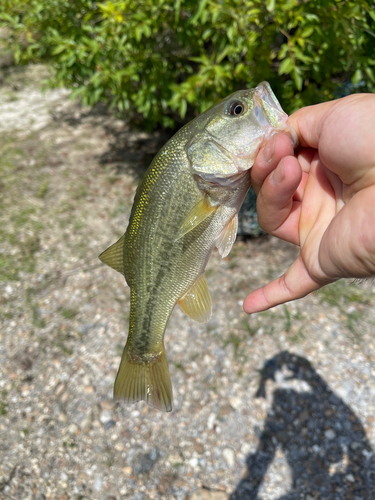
<point x="269" y="157"/>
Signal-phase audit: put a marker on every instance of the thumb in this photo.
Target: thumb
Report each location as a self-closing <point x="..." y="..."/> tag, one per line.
<point x="308" y="122"/>
<point x="294" y="284"/>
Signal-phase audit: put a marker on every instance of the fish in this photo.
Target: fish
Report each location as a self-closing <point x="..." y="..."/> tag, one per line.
<point x="186" y="205"/>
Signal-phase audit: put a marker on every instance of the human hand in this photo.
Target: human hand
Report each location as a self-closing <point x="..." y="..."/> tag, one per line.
<point x="321" y="199"/>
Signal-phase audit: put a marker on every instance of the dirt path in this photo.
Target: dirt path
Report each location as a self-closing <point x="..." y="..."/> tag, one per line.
<point x="68" y="176"/>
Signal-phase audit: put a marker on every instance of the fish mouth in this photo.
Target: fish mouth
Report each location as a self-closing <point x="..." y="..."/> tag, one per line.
<point x="267" y="115"/>
<point x="267" y="109"/>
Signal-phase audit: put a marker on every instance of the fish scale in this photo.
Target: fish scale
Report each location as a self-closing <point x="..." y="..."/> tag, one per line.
<point x="186" y="204"/>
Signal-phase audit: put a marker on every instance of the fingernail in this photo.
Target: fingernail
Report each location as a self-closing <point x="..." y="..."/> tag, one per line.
<point x="278" y="174"/>
<point x="269" y="149"/>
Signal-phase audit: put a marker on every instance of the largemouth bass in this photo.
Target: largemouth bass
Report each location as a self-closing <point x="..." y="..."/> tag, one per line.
<point x="185" y="206"/>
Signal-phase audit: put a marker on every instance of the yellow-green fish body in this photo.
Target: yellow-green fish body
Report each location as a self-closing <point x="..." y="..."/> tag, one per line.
<point x="186" y="205"/>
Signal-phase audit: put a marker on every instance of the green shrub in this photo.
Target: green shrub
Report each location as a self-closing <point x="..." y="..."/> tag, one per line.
<point x="160" y="59"/>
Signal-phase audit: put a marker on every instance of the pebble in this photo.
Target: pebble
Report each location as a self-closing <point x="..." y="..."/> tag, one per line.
<point x="109" y="424"/>
<point x="144" y="462"/>
<point x="246" y="448"/>
<point x="65" y="397"/>
<point x="89" y="389"/>
<point x="204" y="494"/>
<point x="60" y="389"/>
<point x="105" y="417"/>
<point x="62" y="418"/>
<point x="86" y="424"/>
<point x="367" y="454"/>
<point x="72" y="429"/>
<point x="199" y="448"/>
<point x="236" y="403"/>
<point x="229" y="456"/>
<point x="107" y="404"/>
<point x="211" y="420"/>
<point x="330" y="434"/>
<point x="193" y="462"/>
<point x="98" y="484"/>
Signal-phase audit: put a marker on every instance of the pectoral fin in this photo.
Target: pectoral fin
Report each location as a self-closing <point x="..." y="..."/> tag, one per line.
<point x="197" y="214"/>
<point x="114" y="256"/>
<point x="196" y="303"/>
<point x="227" y="237"/>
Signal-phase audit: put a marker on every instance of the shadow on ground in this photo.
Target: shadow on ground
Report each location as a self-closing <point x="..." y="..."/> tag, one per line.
<point x="130" y="149"/>
<point x="132" y="152"/>
<point x="324" y="442"/>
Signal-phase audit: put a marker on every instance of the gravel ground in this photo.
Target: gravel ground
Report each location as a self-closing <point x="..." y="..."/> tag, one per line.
<point x="276" y="406"/>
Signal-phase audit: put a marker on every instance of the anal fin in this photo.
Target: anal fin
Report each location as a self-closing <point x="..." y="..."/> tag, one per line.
<point x="227" y="237"/>
<point x="145" y="377"/>
<point x="114" y="256"/>
<point x="197" y="214"/>
<point x="196" y="303"/>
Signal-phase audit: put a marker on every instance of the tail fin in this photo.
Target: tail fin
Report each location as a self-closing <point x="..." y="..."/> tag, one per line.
<point x="145" y="378"/>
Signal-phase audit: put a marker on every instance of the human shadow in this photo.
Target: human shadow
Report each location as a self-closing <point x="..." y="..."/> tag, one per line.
<point x="322" y="439"/>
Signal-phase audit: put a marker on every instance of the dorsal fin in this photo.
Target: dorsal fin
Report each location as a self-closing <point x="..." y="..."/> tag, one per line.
<point x="114" y="255"/>
<point x="196" y="303"/>
<point x="227" y="237"/>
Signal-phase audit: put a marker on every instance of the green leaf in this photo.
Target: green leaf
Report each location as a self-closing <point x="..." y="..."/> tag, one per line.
<point x="357" y="77"/>
<point x="58" y="50"/>
<point x="202" y="5"/>
<point x="297" y="78"/>
<point x="239" y="68"/>
<point x="177" y="8"/>
<point x="306" y="32"/>
<point x="286" y="66"/>
<point x="301" y="56"/>
<point x="183" y="108"/>
<point x="283" y="51"/>
<point x="146" y="30"/>
<point x="223" y="54"/>
<point x="370" y="73"/>
<point x="270" y="5"/>
<point x="207" y="33"/>
<point x="311" y="17"/>
<point x="97" y="94"/>
<point x="77" y="92"/>
<point x="138" y="33"/>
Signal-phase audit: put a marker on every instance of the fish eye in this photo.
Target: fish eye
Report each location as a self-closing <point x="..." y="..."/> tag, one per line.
<point x="236" y="108"/>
